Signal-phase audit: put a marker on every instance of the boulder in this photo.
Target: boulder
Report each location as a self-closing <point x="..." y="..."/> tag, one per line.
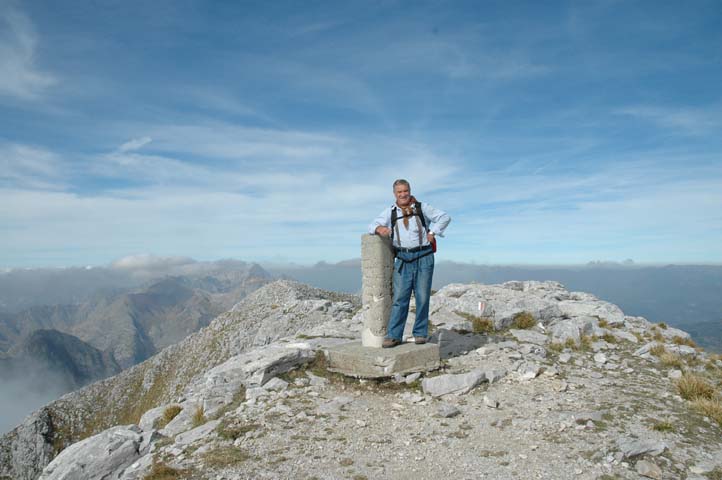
<point x="151" y="419"/>
<point x="632" y="447"/>
<point x="447" y="411"/>
<point x="195" y="434"/>
<point x="529" y="336"/>
<point x="587" y="305"/>
<point x="452" y="383"/>
<point x="105" y="455"/>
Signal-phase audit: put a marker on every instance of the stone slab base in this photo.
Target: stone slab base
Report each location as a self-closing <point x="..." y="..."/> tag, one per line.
<point x="355" y="360"/>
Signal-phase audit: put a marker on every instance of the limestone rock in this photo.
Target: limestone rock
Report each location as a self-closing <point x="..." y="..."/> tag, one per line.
<point x="491" y="402"/>
<point x="105" y="455"/>
<point x="152" y="418"/>
<point x="452" y="383"/>
<point x="193" y="435"/>
<point x="528" y="371"/>
<point x="648" y="469"/>
<point x="447" y="411"/>
<point x="335" y="405"/>
<point x="631" y="447"/>
<point x="276" y="385"/>
<point x="600" y="358"/>
<point x="529" y="336"/>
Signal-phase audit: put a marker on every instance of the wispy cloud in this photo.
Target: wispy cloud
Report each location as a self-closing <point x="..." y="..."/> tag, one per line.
<point x="30" y="167"/>
<point x="134" y="144"/>
<point x="21" y="78"/>
<point x="685" y="120"/>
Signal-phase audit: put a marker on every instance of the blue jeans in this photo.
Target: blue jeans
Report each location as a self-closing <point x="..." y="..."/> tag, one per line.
<point x="416" y="275"/>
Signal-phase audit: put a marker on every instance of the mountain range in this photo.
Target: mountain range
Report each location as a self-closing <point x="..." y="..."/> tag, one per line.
<point x="47" y="350"/>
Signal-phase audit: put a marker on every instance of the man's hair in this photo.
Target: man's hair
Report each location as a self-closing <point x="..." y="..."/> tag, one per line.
<point x="401" y="181"/>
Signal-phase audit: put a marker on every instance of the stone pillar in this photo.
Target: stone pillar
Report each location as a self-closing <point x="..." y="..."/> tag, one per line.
<point x="377" y="268"/>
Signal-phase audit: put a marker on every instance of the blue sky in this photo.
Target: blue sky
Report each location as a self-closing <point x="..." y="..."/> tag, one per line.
<point x="552" y="132"/>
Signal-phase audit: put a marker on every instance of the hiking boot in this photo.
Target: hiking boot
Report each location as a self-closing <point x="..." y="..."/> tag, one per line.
<point x="390" y="342"/>
<point x="419" y="340"/>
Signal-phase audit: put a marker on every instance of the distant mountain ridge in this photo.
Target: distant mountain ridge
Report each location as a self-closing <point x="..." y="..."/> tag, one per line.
<point x="134" y="325"/>
<point x="70" y="360"/>
<point x="63" y="347"/>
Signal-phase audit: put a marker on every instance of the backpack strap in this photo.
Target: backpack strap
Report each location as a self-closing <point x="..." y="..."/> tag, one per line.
<point x="417" y="213"/>
<point x="421" y="216"/>
<point x="393" y="224"/>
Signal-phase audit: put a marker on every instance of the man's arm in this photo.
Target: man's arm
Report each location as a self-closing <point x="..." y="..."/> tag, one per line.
<point x="381" y="224"/>
<point x="436" y="219"/>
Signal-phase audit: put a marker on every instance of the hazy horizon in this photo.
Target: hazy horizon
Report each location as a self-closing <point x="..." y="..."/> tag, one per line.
<point x="158" y="261"/>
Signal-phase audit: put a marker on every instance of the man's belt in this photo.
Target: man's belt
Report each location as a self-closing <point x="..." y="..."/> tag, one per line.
<point x="414" y="249"/>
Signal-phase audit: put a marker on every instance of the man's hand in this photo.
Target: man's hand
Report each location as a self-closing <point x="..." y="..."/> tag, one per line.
<point x="383" y="231"/>
<point x="430" y="237"/>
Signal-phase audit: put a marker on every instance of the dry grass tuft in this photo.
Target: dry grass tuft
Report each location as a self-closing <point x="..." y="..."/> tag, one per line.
<point x="225" y="456"/>
<point x="662" y="325"/>
<point x="161" y="471"/>
<point x="694" y="387"/>
<point x="169" y="414"/>
<point x="658" y="350"/>
<point x="711" y="408"/>
<point x="555" y="347"/>
<point x="684" y="341"/>
<point x="584" y="344"/>
<point x="658" y="337"/>
<point x="199" y="416"/>
<point x="478" y="324"/>
<point x="671" y="360"/>
<point x="603" y="323"/>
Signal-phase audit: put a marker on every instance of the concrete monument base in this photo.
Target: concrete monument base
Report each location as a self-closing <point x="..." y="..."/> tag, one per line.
<point x="355" y="360"/>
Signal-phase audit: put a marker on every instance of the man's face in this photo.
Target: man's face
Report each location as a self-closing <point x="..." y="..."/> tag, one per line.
<point x="403" y="195"/>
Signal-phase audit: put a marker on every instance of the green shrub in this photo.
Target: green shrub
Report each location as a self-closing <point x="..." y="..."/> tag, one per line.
<point x="523" y="320"/>
<point x="482" y="325"/>
<point x="609" y="338"/>
<point x="663" y="427"/>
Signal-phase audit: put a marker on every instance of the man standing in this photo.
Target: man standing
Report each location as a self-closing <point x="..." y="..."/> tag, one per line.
<point x="413" y="227"/>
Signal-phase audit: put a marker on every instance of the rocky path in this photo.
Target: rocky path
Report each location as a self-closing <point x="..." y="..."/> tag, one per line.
<point x="575" y="420"/>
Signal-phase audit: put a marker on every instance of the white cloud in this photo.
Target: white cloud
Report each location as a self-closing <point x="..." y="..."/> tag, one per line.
<point x="135" y="144"/>
<point x="18" y="43"/>
<point x="149" y="262"/>
<point x="683" y="120"/>
<point x="30" y="167"/>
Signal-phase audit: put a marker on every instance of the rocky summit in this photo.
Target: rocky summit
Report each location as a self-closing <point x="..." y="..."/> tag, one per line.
<point x="536" y="382"/>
